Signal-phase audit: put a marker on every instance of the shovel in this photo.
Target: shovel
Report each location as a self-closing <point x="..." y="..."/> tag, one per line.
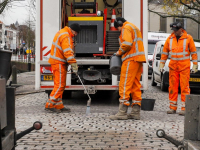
<point x="89" y="101"/>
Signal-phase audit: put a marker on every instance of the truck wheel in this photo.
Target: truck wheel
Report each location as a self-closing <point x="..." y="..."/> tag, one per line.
<point x="163" y="85"/>
<point x="153" y="83"/>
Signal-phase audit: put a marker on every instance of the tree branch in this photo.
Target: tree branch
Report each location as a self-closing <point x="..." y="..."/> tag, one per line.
<point x="198" y="1"/>
<point x="3" y="5"/>
<point x="194" y="4"/>
<point x="189" y="7"/>
<point x="178" y="16"/>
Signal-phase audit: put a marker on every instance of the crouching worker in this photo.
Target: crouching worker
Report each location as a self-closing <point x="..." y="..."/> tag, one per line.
<point x="132" y="54"/>
<point x="61" y="55"/>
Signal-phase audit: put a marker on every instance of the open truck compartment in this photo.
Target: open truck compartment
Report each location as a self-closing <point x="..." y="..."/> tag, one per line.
<point x="95" y="43"/>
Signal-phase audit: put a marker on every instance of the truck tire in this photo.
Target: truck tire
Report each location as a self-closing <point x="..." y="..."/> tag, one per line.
<point x="163" y="86"/>
<point x="153" y="83"/>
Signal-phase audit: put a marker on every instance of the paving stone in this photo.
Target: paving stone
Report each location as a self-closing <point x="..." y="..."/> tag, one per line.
<point x="75" y="129"/>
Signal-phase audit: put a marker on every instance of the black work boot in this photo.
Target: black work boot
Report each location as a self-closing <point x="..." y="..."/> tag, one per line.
<point x="135" y="112"/>
<point x="53" y="110"/>
<point x="122" y="113"/>
<point x="171" y="111"/>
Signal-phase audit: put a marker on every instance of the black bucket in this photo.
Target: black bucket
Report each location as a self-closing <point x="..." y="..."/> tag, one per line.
<point x="115" y="65"/>
<point x="5" y="64"/>
<point x="147" y="104"/>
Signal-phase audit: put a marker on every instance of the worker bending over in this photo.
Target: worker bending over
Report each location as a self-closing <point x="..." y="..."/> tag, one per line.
<point x="61" y="55"/>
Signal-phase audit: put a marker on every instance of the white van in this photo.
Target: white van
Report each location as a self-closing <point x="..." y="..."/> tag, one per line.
<point x="153" y="38"/>
<point x="163" y="78"/>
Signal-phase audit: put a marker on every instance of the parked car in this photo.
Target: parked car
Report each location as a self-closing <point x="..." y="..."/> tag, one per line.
<point x="163" y="78"/>
<point x="153" y="38"/>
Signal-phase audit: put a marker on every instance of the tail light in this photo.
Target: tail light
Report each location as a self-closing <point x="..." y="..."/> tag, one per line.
<point x="46" y="70"/>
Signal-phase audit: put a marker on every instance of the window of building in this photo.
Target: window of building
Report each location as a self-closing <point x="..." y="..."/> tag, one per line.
<point x="163" y="24"/>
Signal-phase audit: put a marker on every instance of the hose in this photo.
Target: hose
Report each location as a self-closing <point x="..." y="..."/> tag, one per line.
<point x="108" y="5"/>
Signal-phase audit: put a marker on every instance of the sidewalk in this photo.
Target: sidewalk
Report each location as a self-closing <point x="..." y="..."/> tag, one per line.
<point x="26" y="82"/>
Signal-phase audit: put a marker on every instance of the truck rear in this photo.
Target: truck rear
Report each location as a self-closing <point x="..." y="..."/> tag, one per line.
<point x="93" y="45"/>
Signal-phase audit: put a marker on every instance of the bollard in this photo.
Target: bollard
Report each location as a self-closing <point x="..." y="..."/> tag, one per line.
<point x="29" y="67"/>
<point x="192" y="118"/>
<point x="14" y="74"/>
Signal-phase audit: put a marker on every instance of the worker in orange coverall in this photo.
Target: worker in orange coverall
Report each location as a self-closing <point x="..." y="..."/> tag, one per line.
<point x="179" y="46"/>
<point x="61" y="55"/>
<point x="132" y="54"/>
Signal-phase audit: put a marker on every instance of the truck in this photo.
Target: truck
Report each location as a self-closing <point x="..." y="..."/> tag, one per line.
<point x="94" y="45"/>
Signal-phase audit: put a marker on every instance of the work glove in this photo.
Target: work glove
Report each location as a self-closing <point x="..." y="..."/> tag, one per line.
<point x="74" y="67"/>
<point x="161" y="66"/>
<point x="194" y="68"/>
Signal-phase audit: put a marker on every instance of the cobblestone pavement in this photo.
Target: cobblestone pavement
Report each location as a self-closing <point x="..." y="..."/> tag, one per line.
<point x="77" y="131"/>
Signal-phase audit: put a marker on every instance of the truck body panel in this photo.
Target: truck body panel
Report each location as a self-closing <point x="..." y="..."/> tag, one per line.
<point x="50" y="21"/>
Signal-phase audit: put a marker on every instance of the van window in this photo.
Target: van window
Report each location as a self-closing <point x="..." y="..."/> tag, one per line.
<point x="198" y="52"/>
<point x="151" y="48"/>
<point x="158" y="50"/>
<point x="161" y="49"/>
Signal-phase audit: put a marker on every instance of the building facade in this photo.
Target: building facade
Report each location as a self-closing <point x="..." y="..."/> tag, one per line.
<point x="8" y="37"/>
<point x="159" y="24"/>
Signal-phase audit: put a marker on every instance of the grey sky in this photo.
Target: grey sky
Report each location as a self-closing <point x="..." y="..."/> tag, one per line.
<point x="18" y="12"/>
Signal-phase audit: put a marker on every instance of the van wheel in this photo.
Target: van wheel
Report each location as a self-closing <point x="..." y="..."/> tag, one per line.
<point x="153" y="83"/>
<point x="162" y="84"/>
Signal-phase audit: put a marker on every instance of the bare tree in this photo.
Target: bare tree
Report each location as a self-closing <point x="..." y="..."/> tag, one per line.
<point x="176" y="8"/>
<point x="7" y="5"/>
<point x="3" y="5"/>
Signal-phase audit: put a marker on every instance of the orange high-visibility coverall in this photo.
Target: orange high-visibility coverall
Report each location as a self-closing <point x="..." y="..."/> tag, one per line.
<point x="179" y="65"/>
<point x="61" y="54"/>
<point x="132" y="51"/>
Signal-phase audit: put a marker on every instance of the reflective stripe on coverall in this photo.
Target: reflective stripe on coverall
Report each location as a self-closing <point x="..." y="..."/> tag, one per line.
<point x="132" y="51"/>
<point x="61" y="54"/>
<point x="179" y="65"/>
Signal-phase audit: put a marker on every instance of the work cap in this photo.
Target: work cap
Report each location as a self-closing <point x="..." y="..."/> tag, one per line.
<point x="176" y="26"/>
<point x="119" y="22"/>
<point x="76" y="27"/>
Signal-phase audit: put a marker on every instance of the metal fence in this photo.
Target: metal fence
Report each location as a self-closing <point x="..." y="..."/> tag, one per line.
<point x="23" y="58"/>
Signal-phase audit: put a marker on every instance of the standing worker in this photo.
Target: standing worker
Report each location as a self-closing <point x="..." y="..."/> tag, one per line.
<point x="179" y="46"/>
<point x="132" y="54"/>
<point x="61" y="55"/>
